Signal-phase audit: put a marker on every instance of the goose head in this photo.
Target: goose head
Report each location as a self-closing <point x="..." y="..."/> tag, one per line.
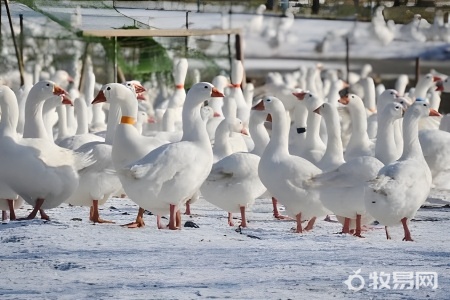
<point x="427" y="81"/>
<point x="349" y="99"/>
<point x="200" y="92"/>
<point x="324" y="109"/>
<point x="393" y="111"/>
<point x="421" y="109"/>
<point x="137" y="88"/>
<point x="115" y="92"/>
<point x="207" y="113"/>
<point x="311" y="101"/>
<point x="270" y="105"/>
<point x="46" y="89"/>
<point x="236" y="125"/>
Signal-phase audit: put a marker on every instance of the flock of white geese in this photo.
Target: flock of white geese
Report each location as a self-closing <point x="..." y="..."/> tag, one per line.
<point x="364" y="155"/>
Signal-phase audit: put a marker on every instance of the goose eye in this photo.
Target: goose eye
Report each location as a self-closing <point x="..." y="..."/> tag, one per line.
<point x="48" y="84"/>
<point x="353" y="97"/>
<point x="424" y="104"/>
<point x="108" y="88"/>
<point x="323" y="105"/>
<point x="310" y="95"/>
<point x="206" y="86"/>
<point x="268" y="100"/>
<point x="392" y="93"/>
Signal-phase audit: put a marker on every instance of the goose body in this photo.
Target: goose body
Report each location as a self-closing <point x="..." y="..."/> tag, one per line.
<point x="401" y="187"/>
<point x="40" y="172"/>
<point x="283" y="174"/>
<point x="167" y="177"/>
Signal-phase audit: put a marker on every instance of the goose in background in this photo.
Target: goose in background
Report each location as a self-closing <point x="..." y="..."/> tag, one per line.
<point x="233" y="183"/>
<point x="359" y="143"/>
<point x="314" y="146"/>
<point x="284" y="174"/>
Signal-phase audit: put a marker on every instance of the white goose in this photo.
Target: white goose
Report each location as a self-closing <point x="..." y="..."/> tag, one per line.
<point x="223" y="144"/>
<point x="314" y="148"/>
<point x="43" y="174"/>
<point x="128" y="144"/>
<point x="341" y="189"/>
<point x="151" y="181"/>
<point x="284" y="174"/>
<point x="82" y="136"/>
<point x="233" y="183"/>
<point x="401" y="187"/>
<point x="359" y="143"/>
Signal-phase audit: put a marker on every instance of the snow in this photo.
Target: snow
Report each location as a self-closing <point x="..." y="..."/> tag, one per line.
<point x="71" y="258"/>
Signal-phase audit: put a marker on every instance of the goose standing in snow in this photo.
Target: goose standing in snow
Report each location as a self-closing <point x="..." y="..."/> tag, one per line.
<point x="168" y="176"/>
<point x="233" y="183"/>
<point x="401" y="187"/>
<point x="284" y="175"/>
<point x="40" y="172"/>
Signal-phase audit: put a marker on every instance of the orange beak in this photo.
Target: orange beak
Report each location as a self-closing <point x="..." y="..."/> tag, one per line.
<point x="244" y="131"/>
<point x="216" y="93"/>
<point x="259" y="106"/>
<point x="70" y="79"/>
<point x="269" y="118"/>
<point x="66" y="100"/>
<point x="138" y="88"/>
<point x="151" y="120"/>
<point x="317" y="110"/>
<point x="439" y="86"/>
<point x="436" y="78"/>
<point x="300" y="96"/>
<point x="344" y="100"/>
<point x="140" y="96"/>
<point x="216" y="115"/>
<point x="100" y="98"/>
<point x="434" y="113"/>
<point x="59" y="91"/>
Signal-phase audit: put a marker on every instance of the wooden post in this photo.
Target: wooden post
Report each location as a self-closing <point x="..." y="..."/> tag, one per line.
<point x="20" y="63"/>
<point x="115" y="58"/>
<point x="186" y="38"/>
<point x="83" y="66"/>
<point x="240" y="56"/>
<point x="238" y="47"/>
<point x="417" y="69"/>
<point x="347" y="58"/>
<point x="229" y="50"/>
<point x="21" y="38"/>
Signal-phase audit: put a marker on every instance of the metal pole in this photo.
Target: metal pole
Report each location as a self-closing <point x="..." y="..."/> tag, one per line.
<point x="15" y="44"/>
<point x="115" y="59"/>
<point x="347" y="58"/>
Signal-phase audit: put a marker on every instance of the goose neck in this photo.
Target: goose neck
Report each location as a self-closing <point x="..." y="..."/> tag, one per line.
<point x="280" y="133"/>
<point x="194" y="128"/>
<point x="411" y="144"/>
<point x="34" y="124"/>
<point x="114" y="116"/>
<point x="334" y="148"/>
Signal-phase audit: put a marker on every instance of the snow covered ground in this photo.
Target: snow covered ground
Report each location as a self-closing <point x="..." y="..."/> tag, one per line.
<point x="70" y="258"/>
